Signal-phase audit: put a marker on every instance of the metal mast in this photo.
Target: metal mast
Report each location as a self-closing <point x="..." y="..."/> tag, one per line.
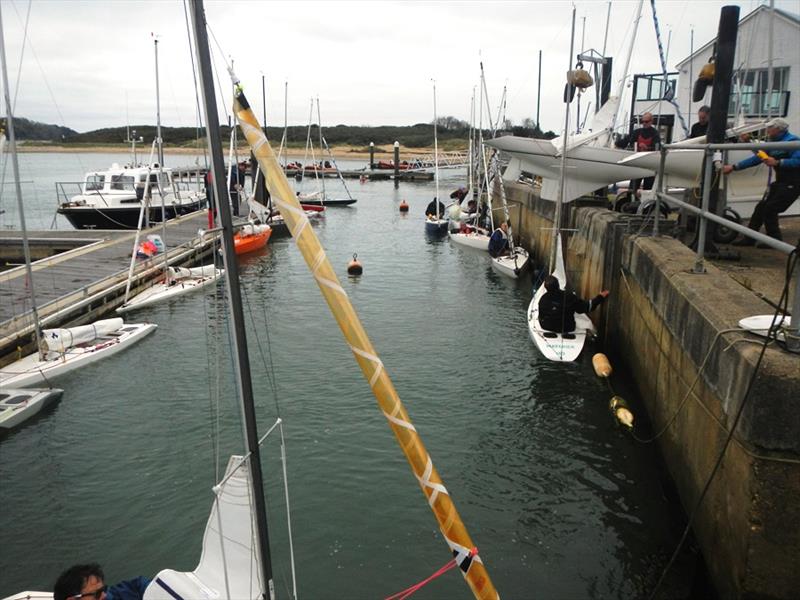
<point x="240" y="357"/>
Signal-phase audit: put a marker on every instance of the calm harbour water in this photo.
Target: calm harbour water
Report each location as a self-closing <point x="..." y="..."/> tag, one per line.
<point x="560" y="502"/>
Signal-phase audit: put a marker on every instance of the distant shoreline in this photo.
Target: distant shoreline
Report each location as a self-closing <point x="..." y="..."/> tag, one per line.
<point x="339" y="152"/>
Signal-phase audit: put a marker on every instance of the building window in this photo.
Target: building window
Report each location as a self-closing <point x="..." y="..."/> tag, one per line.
<point x="651" y="87"/>
<point x="752" y="97"/>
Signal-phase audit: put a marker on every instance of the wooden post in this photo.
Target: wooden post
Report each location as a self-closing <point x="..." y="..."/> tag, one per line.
<point x="371" y="156"/>
<point x="396" y="165"/>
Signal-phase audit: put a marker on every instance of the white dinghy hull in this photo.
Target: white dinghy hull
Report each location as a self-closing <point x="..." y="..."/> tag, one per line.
<point x="179" y="281"/>
<point x="32" y="371"/>
<point x="558" y="347"/>
<point x="18" y="405"/>
<point x="511" y="265"/>
<point x="474" y="239"/>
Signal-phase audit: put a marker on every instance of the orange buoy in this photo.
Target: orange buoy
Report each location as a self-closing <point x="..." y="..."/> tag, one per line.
<point x="354" y="266"/>
<point x="403" y="206"/>
<point x="601" y="365"/>
<point x="621" y="411"/>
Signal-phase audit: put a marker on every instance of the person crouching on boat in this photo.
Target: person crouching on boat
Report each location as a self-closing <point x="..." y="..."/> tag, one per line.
<point x="498" y="242"/>
<point x="434" y="209"/>
<point x="557" y="307"/>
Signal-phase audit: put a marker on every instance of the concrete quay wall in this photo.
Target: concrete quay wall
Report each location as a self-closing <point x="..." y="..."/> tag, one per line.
<point x="670" y="329"/>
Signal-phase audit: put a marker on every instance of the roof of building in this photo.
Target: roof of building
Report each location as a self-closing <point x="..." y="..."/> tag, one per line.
<point x="790" y="17"/>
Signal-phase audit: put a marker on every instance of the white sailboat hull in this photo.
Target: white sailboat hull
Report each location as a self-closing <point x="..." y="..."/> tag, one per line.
<point x="18" y="405"/>
<point x="558" y="347"/>
<point x="474" y="239"/>
<point x="588" y="167"/>
<point x="511" y="265"/>
<point x="32" y="371"/>
<point x="187" y="281"/>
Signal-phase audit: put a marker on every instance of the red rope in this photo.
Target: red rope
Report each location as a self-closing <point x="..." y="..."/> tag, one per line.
<point x="441" y="571"/>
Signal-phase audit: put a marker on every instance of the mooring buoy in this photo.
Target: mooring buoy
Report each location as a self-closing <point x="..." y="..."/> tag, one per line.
<point x="621" y="411"/>
<point x="403" y="206"/>
<point x="354" y="266"/>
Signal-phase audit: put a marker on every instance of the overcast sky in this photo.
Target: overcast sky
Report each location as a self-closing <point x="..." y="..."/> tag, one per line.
<point x="90" y="64"/>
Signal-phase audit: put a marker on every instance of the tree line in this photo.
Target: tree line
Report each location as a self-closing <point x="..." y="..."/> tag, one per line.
<point x="411" y="136"/>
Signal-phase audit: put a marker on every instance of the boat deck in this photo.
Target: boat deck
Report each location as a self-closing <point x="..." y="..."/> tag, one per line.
<point x="81" y="275"/>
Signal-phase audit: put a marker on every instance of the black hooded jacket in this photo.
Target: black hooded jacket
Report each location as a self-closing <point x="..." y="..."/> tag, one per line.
<point x="557" y="310"/>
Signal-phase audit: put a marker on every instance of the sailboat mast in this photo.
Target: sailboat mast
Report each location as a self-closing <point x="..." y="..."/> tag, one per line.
<point x="17" y="187"/>
<point x="621" y="88"/>
<point x="159" y="142"/>
<point x="562" y="180"/>
<point x="436" y="150"/>
<point x="321" y="150"/>
<point x="158" y="110"/>
<point x="240" y="356"/>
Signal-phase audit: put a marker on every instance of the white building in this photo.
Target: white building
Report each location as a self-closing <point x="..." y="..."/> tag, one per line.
<point x="750" y="96"/>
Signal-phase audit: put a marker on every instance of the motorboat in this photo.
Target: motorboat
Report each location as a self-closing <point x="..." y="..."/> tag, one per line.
<point x="112" y="199"/>
<point x="18" y="405"/>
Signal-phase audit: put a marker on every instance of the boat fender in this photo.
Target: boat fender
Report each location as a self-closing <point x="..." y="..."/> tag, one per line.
<point x="704" y="79"/>
<point x="579" y="78"/>
<point x="621" y="411"/>
<point x="403" y="206"/>
<point x="354" y="266"/>
<point x="601" y="365"/>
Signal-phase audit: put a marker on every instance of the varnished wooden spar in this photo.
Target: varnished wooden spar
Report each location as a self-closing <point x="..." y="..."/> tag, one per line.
<point x="450" y="524"/>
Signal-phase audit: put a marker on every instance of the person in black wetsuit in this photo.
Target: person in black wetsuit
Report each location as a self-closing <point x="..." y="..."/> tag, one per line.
<point x="557" y="307"/>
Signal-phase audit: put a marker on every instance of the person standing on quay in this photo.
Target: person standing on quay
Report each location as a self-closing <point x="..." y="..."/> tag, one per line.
<point x="782" y="192"/>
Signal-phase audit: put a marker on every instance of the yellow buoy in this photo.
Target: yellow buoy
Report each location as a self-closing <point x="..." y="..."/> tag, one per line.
<point x="403" y="206"/>
<point x="354" y="266"/>
<point x="621" y="411"/>
<point x="601" y="365"/>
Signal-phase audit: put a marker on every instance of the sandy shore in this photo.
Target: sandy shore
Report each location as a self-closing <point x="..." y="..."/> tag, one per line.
<point x="340" y="152"/>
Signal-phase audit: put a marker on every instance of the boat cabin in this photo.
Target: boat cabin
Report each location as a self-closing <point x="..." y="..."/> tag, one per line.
<point x="125" y="179"/>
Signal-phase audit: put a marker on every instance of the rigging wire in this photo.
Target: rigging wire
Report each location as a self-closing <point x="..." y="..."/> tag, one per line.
<point x="198" y="113"/>
<point x="791" y="265"/>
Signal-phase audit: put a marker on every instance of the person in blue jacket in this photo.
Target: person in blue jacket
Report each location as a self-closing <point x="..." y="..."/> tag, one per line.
<point x="87" y="582"/>
<point x="498" y="242"/>
<point x="782" y="192"/>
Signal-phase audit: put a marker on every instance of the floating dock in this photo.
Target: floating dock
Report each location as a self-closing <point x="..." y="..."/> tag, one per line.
<point x="81" y="275"/>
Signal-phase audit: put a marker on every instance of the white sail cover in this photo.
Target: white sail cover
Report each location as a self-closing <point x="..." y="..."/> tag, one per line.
<point x="178" y="273"/>
<point x="60" y="340"/>
<point x="228" y="565"/>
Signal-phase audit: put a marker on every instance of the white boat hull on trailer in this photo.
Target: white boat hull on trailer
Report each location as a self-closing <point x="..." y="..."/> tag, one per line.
<point x="32" y="371"/>
<point x="18" y="405"/>
<point x="474" y="239"/>
<point x="511" y="265"/>
<point x="559" y="347"/>
<point x="179" y="281"/>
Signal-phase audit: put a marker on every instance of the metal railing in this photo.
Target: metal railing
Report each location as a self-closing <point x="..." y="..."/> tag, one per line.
<point x="713" y="153"/>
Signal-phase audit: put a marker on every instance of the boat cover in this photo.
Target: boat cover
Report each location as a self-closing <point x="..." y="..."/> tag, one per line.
<point x="60" y="340"/>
